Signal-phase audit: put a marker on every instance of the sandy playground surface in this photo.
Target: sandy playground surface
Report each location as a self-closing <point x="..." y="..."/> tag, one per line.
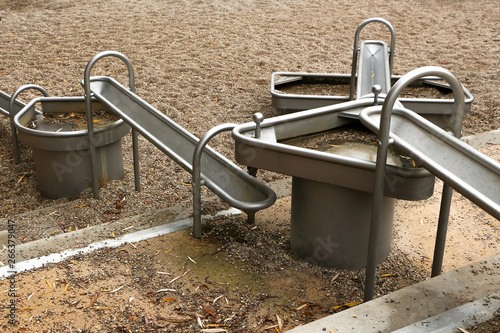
<point x="204" y="63"/>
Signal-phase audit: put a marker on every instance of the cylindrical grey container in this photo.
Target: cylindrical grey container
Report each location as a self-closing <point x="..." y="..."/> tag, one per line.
<point x="62" y="159"/>
<point x="331" y="224"/>
<point x="66" y="172"/>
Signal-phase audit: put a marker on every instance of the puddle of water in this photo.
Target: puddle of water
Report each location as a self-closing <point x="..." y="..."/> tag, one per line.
<point x="362" y="151"/>
<point x="350" y="142"/>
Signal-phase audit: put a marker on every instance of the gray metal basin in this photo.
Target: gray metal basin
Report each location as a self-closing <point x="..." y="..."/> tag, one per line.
<point x="434" y="109"/>
<point x="62" y="160"/>
<point x="270" y="154"/>
<point x="331" y="193"/>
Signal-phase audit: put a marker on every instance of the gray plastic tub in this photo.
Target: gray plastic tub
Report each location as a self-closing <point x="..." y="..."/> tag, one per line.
<point x="61" y="157"/>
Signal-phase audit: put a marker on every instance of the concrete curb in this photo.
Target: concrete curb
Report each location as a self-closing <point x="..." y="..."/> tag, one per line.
<point x="417" y="303"/>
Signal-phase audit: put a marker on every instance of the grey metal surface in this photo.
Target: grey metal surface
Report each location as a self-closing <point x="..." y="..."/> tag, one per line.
<point x="389" y="63"/>
<point x="438" y="111"/>
<point x="330" y="224"/>
<point x="373" y="69"/>
<point x="223" y="177"/>
<point x="331" y="194"/>
<point x="268" y="153"/>
<point x="468" y="171"/>
<point x="436" y="150"/>
<point x="4" y="104"/>
<point x="61" y="158"/>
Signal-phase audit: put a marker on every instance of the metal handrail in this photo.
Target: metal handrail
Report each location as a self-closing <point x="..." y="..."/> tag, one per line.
<point x="383" y="144"/>
<point x="13" y="112"/>
<point x="355" y="49"/>
<point x="197" y="181"/>
<point x="90" y="125"/>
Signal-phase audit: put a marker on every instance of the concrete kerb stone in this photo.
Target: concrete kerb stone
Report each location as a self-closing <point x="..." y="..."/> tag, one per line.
<point x="415" y="304"/>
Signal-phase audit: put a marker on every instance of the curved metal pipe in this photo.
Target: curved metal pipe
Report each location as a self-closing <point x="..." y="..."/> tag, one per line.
<point x="90" y="125"/>
<point x="383" y="144"/>
<point x="355" y="49"/>
<point x="12" y="114"/>
<point x="197" y="181"/>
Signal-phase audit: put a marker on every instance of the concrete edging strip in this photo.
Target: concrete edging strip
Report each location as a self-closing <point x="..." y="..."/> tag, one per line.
<point x="110" y="243"/>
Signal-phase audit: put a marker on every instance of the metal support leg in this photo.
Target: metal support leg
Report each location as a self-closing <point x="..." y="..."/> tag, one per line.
<point x="252" y="171"/>
<point x="135" y="149"/>
<point x="444" y="214"/>
<point x="250" y="217"/>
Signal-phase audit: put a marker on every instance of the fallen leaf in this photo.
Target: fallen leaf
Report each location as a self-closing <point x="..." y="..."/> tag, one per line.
<point x="169" y="299"/>
<point x="93" y="300"/>
<point x="101" y="308"/>
<point x="388" y="275"/>
<point x="209" y="311"/>
<point x="348" y="305"/>
<point x="303" y="306"/>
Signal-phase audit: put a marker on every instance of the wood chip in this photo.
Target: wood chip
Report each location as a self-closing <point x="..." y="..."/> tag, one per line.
<point x="303" y="306"/>
<point x="175" y="279"/>
<point x="280" y="323"/>
<point x="166" y="289"/>
<point x="199" y="321"/>
<point x="114" y="291"/>
<point x="93" y="300"/>
<point x="217" y="298"/>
